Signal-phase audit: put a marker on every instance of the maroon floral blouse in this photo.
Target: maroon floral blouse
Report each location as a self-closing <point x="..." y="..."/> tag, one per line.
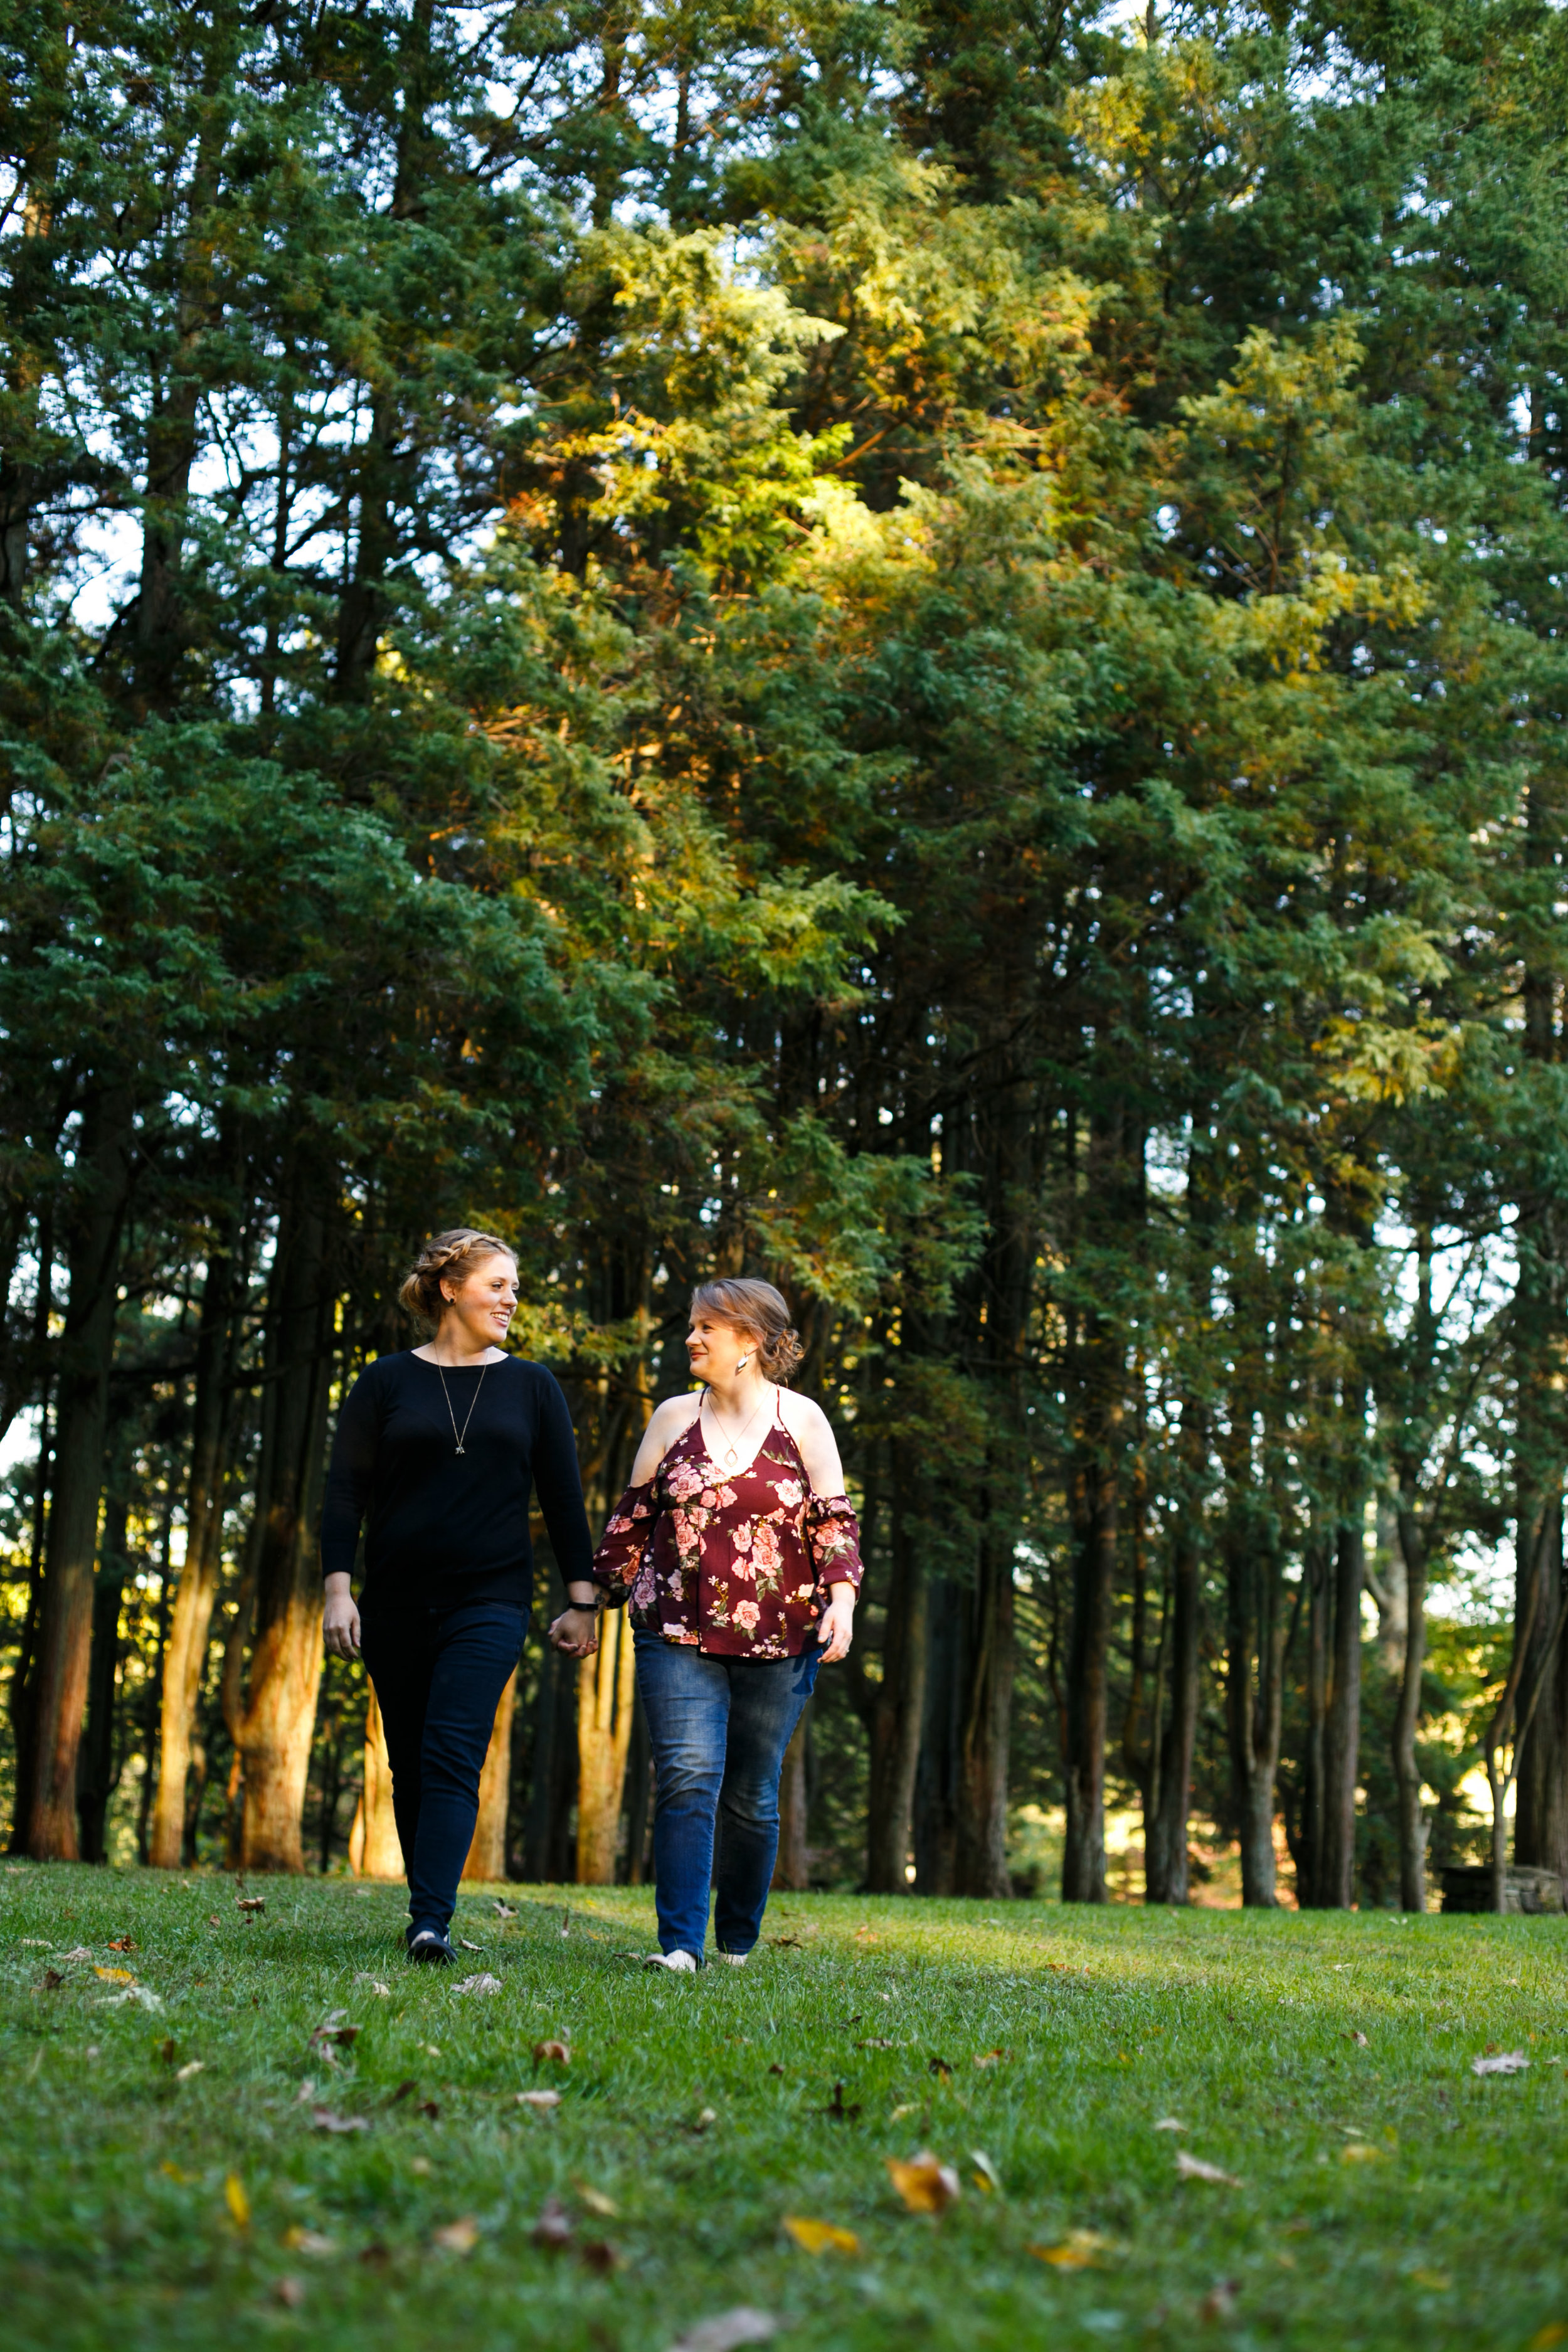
<point x="737" y="1566"/>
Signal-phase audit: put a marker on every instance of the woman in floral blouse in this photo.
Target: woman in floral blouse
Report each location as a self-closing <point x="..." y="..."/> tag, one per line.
<point x="739" y="1552"/>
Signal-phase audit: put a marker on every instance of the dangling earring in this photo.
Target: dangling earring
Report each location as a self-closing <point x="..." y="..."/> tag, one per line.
<point x="741" y="1362"/>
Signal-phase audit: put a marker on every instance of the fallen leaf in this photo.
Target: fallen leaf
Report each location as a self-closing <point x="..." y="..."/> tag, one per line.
<point x="1359" y="2039"/>
<point x="251" y="1902"/>
<point x="835" y="2111"/>
<point x="237" y="2201"/>
<point x="1170" y="2123"/>
<point x="458" y="2237"/>
<point x="775" y="2068"/>
<point x="114" y="1976"/>
<point x="815" y="2237"/>
<point x="323" y="2119"/>
<point x="464" y="1945"/>
<point x="986" y="2176"/>
<point x="174" y="2172"/>
<point x="123" y="1943"/>
<point x="214" y="1921"/>
<point x="478" y="1984"/>
<point x="375" y="2256"/>
<point x="786" y="1943"/>
<point x="78" y="1952"/>
<point x="988" y="2057"/>
<point x="1506" y="2062"/>
<point x="1064" y="2258"/>
<point x="709" y="2116"/>
<point x="291" y="2292"/>
<point x="1358" y="2152"/>
<point x="598" y="2254"/>
<point x="300" y="2241"/>
<point x="940" y="2067"/>
<point x="403" y="2091"/>
<point x="191" y="2067"/>
<point x="1220" y="2301"/>
<point x="36" y="1943"/>
<point x="52" y="1980"/>
<point x="925" y="2183"/>
<point x="555" y="2052"/>
<point x="595" y="2200"/>
<point x="505" y="1910"/>
<point x="419" y="2164"/>
<point x="334" y="2029"/>
<point x="1193" y="2167"/>
<point x="538" y="2098"/>
<point x="554" y="2227"/>
<point x="729" y="2330"/>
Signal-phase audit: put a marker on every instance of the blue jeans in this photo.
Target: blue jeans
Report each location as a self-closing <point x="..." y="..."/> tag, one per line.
<point x="438" y="1676"/>
<point x="719" y="1729"/>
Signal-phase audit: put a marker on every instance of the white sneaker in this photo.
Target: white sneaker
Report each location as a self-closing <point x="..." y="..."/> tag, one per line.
<point x="681" y="1963"/>
<point x="736" y="1959"/>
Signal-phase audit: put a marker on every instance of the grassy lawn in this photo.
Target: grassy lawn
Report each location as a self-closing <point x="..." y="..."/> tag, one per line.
<point x="166" y="2179"/>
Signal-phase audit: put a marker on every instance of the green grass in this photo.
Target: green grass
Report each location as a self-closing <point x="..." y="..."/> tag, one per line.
<point x="116" y="2227"/>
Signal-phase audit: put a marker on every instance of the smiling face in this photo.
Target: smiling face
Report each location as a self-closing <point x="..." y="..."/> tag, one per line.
<point x="484" y="1302"/>
<point x="713" y="1349"/>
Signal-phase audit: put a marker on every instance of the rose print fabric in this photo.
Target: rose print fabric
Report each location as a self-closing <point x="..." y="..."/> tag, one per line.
<point x="737" y="1566"/>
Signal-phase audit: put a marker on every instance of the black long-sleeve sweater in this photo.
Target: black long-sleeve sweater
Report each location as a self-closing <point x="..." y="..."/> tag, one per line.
<point x="443" y="1527"/>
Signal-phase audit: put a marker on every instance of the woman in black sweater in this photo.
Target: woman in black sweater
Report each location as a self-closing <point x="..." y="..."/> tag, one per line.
<point x="435" y="1452"/>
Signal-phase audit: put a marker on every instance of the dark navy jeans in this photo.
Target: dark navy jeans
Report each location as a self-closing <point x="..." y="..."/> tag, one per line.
<point x="719" y="1729"/>
<point x="438" y="1676"/>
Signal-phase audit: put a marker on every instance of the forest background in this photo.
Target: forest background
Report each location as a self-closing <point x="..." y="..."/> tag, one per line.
<point x="913" y="648"/>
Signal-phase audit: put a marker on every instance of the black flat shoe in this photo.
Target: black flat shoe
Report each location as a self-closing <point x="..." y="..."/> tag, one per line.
<point x="430" y="1950"/>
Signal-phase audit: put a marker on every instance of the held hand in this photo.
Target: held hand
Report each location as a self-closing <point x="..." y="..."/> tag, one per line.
<point x="836" y="1630"/>
<point x="339" y="1626"/>
<point x="576" y="1631"/>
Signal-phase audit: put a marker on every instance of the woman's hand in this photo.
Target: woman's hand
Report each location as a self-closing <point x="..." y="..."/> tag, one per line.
<point x="340" y="1620"/>
<point x="836" y="1630"/>
<point x="576" y="1631"/>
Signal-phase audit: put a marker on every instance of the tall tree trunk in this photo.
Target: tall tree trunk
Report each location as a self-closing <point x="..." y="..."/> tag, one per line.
<point x="1254" y="1701"/>
<point x="374" y="1849"/>
<point x="1093" y="1511"/>
<point x="96" y="1775"/>
<point x="936" y="1771"/>
<point x="487" y="1854"/>
<point x="605" y="1684"/>
<point x="1166" y="1868"/>
<point x="22" y="477"/>
<point x="59" y="1692"/>
<point x="982" y="1810"/>
<point x="274" y="1730"/>
<point x="184" y="1660"/>
<point x="1311" y="1869"/>
<point x="1407" y="1715"/>
<point x="1341" y="1745"/>
<point x="791" y="1869"/>
<point x="895" y="1706"/>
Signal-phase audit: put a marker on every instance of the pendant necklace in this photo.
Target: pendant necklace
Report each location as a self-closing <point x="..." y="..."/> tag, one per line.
<point x="470" y="1414"/>
<point x="734" y="1453"/>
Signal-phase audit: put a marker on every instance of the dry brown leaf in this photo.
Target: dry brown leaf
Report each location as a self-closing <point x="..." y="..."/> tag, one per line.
<point x="290" y="2293"/>
<point x="1506" y="2062"/>
<point x="323" y="2119"/>
<point x="300" y="2241"/>
<point x="1359" y="2039"/>
<point x="942" y="2069"/>
<point x="554" y="2052"/>
<point x="505" y="1910"/>
<point x="52" y="1980"/>
<point x="458" y="2237"/>
<point x="595" y="2200"/>
<point x="464" y="1945"/>
<point x="191" y="2067"/>
<point x="925" y="2183"/>
<point x="123" y="1943"/>
<point x="598" y="2254"/>
<point x="815" y="2237"/>
<point x="238" y="2203"/>
<point x="1220" y="2301"/>
<point x="78" y="1952"/>
<point x="1170" y="2123"/>
<point x="1193" y="2167"/>
<point x="482" y="1983"/>
<point x="1063" y="2258"/>
<point x="538" y="2098"/>
<point x="775" y="2068"/>
<point x="835" y="2111"/>
<point x="987" y="2057"/>
<point x="251" y="1902"/>
<point x="728" y="2330"/>
<point x="1358" y="2152"/>
<point x="986" y="2176"/>
<point x="554" y="2227"/>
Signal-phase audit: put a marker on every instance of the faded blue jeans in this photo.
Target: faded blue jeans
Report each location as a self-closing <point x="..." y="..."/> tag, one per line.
<point x="719" y="1727"/>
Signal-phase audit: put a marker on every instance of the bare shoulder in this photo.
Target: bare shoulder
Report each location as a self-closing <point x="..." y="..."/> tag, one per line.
<point x="668" y="1421"/>
<point x="804" y="1417"/>
<point x="813" y="1432"/>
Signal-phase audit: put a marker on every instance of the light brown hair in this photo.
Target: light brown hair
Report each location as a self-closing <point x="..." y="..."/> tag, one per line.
<point x="762" y="1313"/>
<point x="450" y="1257"/>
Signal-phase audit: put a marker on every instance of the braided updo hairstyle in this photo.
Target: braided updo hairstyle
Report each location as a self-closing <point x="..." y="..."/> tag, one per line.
<point x="761" y="1312"/>
<point x="450" y="1257"/>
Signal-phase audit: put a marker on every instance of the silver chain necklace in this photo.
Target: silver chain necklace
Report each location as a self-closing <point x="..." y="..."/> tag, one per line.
<point x="447" y="1393"/>
<point x="734" y="1453"/>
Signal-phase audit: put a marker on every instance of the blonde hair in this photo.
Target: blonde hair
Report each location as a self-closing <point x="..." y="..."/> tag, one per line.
<point x="450" y="1257"/>
<point x="762" y="1313"/>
